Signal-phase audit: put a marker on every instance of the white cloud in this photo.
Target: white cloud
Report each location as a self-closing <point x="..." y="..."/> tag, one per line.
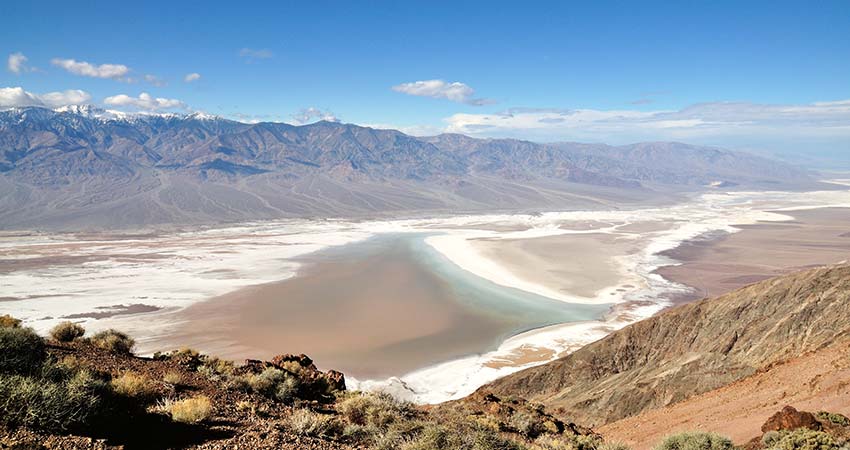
<point x="144" y="102"/>
<point x="17" y="96"/>
<point x="155" y="80"/>
<point x="17" y="63"/>
<point x="251" y="54"/>
<point x="113" y="71"/>
<point x="308" y="115"/>
<point x="190" y="77"/>
<point x="455" y="91"/>
<point x="696" y="121"/>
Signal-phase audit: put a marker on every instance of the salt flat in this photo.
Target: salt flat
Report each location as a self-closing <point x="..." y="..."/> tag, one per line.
<point x="256" y="272"/>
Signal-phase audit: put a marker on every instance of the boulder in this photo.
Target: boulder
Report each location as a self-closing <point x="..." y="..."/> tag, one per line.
<point x="791" y="419"/>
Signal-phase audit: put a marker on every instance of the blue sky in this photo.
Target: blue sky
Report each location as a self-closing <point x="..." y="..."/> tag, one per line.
<point x="767" y="76"/>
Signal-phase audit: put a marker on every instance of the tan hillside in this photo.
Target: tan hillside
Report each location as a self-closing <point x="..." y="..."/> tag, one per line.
<point x="692" y="349"/>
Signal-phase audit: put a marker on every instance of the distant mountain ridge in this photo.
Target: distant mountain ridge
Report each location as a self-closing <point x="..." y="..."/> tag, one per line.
<point x="83" y="166"/>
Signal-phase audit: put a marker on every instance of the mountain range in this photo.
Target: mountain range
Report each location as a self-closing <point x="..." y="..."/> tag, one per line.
<point x="83" y="167"/>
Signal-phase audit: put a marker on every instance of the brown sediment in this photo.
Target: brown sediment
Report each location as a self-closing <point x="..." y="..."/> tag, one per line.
<point x="722" y="263"/>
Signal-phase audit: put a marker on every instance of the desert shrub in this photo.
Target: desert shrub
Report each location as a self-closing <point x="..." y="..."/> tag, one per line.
<point x="134" y="385"/>
<point x="375" y="409"/>
<point x="526" y="424"/>
<point x="22" y="351"/>
<point x="695" y="441"/>
<point x="276" y="384"/>
<point x="52" y="405"/>
<point x="7" y="321"/>
<point x="803" y="439"/>
<point x="574" y="442"/>
<point x="217" y="366"/>
<point x="113" y="341"/>
<point x="834" y="418"/>
<point x="613" y="446"/>
<point x="308" y="423"/>
<point x="190" y="410"/>
<point x="434" y="436"/>
<point x="173" y="378"/>
<point x="67" y="331"/>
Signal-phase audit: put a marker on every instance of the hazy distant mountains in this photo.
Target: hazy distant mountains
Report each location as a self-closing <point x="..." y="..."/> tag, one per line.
<point x="84" y="167"/>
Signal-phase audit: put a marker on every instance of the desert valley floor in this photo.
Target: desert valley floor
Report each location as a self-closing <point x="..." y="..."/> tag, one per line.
<point x="429" y="309"/>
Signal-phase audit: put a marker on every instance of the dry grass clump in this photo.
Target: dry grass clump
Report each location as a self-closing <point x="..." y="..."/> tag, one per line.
<point x="67" y="332"/>
<point x="375" y="409"/>
<point x="114" y="341"/>
<point x="275" y="383"/>
<point x="173" y="378"/>
<point x="695" y="441"/>
<point x="308" y="423"/>
<point x="7" y="321"/>
<point x="134" y="385"/>
<point x="574" y="442"/>
<point x="189" y="410"/>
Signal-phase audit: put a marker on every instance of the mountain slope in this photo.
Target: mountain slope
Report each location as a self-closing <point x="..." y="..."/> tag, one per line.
<point x="692" y="348"/>
<point x="816" y="381"/>
<point x="84" y="167"/>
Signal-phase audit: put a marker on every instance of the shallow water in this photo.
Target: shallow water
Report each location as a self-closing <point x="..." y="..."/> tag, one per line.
<point x="376" y="308"/>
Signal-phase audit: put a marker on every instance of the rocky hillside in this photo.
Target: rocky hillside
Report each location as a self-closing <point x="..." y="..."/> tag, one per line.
<point x="693" y="348"/>
<point x="83" y="167"/>
<point x="76" y="392"/>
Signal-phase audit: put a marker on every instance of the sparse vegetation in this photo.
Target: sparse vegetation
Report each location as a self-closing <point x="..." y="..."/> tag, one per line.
<point x="275" y="383"/>
<point x="173" y="378"/>
<point x="57" y="402"/>
<point x="834" y="418"/>
<point x="134" y="385"/>
<point x="801" y="439"/>
<point x="67" y="332"/>
<point x="189" y="410"/>
<point x="7" y="321"/>
<point x="696" y="441"/>
<point x="308" y="423"/>
<point x="22" y="351"/>
<point x="375" y="409"/>
<point x="114" y="341"/>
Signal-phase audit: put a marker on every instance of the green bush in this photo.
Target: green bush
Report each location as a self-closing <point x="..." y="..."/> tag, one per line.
<point x="67" y="332"/>
<point x="574" y="442"/>
<point x="53" y="405"/>
<point x="22" y="351"/>
<point x="695" y="441"/>
<point x="113" y="341"/>
<point x="7" y="321"/>
<point x="803" y="439"/>
<point x="835" y="418"/>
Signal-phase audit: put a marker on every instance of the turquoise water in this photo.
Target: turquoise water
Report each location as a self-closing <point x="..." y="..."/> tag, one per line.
<point x="515" y="310"/>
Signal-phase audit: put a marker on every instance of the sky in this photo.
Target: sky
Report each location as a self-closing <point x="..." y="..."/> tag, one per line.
<point x="770" y="77"/>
